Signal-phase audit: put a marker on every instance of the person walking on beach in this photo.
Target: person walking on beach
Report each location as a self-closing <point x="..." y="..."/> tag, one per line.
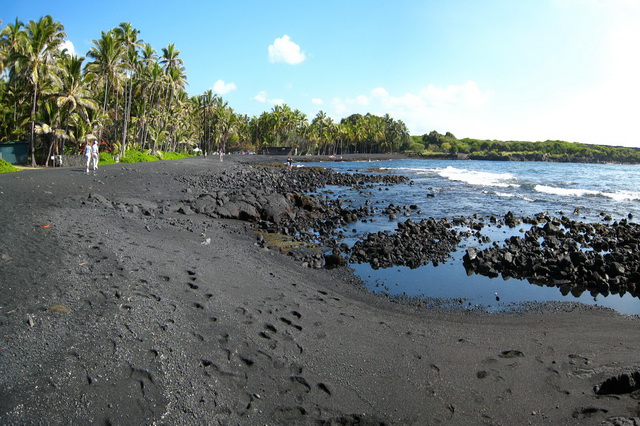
<point x="95" y="154"/>
<point x="88" y="155"/>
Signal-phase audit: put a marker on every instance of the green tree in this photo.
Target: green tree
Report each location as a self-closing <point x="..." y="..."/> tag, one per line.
<point x="73" y="97"/>
<point x="36" y="62"/>
<point x="128" y="39"/>
<point x="107" y="69"/>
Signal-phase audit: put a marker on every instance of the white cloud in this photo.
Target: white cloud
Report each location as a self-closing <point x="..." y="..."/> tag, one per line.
<point x="379" y="91"/>
<point x="222" y="88"/>
<point x="451" y="108"/>
<point x="339" y="107"/>
<point x="286" y="51"/>
<point x="466" y="95"/>
<point x="263" y="98"/>
<point x="71" y="50"/>
<point x="317" y="101"/>
<point x="362" y="100"/>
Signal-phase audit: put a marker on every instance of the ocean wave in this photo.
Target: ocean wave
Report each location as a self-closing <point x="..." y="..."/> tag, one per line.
<point x="511" y="195"/>
<point x="477" y="178"/>
<point x="578" y="192"/>
<point x="623" y="195"/>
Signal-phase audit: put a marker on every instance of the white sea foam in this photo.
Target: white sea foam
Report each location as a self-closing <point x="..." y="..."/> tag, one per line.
<point x="565" y="192"/>
<point x="577" y="192"/>
<point x="512" y="195"/>
<point x="623" y="195"/>
<point x="474" y="177"/>
<point x="505" y="194"/>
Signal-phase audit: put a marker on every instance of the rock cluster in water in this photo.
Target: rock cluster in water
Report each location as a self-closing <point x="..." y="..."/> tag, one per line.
<point x="413" y="244"/>
<point x="572" y="255"/>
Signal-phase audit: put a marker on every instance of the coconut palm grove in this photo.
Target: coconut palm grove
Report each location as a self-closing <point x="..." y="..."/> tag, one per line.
<point x="132" y="98"/>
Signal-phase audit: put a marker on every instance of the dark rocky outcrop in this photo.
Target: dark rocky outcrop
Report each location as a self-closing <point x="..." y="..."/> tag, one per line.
<point x="283" y="201"/>
<point x="618" y="385"/>
<point x="413" y="244"/>
<point x="572" y="255"/>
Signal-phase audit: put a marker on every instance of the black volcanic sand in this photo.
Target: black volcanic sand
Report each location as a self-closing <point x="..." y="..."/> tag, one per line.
<point x="116" y="309"/>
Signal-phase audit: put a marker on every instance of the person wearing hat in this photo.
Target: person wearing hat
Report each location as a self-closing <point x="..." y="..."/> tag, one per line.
<point x="95" y="154"/>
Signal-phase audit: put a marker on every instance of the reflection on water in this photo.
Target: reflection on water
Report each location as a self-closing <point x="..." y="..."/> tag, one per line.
<point x="449" y="281"/>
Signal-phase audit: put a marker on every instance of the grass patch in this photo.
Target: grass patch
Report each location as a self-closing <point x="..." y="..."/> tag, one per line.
<point x="106" y="158"/>
<point x="285" y="244"/>
<point x="173" y="155"/>
<point x="132" y="156"/>
<point x="6" y="167"/>
<point x="60" y="309"/>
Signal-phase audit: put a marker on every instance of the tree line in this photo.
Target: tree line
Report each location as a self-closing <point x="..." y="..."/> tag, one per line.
<point x="434" y="143"/>
<point x="129" y="96"/>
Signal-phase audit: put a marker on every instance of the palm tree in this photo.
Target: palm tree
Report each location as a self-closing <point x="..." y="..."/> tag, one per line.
<point x="150" y="77"/>
<point x="323" y="130"/>
<point x="170" y="58"/>
<point x="107" y="66"/>
<point x="227" y="122"/>
<point x="50" y="125"/>
<point x="300" y="127"/>
<point x="74" y="96"/>
<point x="35" y="60"/>
<point x="128" y="38"/>
<point x="11" y="42"/>
<point x="176" y="78"/>
<point x="206" y="104"/>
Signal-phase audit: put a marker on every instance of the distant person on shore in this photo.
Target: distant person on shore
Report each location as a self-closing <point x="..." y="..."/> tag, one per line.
<point x="88" y="155"/>
<point x="221" y="155"/>
<point x="289" y="162"/>
<point x="95" y="154"/>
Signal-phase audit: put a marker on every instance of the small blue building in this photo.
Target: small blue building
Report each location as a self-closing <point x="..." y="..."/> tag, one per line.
<point x="15" y="152"/>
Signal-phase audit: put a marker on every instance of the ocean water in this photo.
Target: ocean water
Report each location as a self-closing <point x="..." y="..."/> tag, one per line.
<point x="448" y="188"/>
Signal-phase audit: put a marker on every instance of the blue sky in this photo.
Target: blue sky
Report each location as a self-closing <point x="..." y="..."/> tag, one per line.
<point x="493" y="69"/>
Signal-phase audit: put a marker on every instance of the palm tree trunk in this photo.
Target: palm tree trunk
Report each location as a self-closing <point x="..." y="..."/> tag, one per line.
<point x="104" y="107"/>
<point x="32" y="140"/>
<point x="127" y="112"/>
<point x="53" y="142"/>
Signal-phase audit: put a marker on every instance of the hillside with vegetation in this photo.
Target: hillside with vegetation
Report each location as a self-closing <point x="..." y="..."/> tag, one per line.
<point x="436" y="145"/>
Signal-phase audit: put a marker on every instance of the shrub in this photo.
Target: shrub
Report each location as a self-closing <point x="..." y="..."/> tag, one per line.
<point x="133" y="156"/>
<point x="174" y="155"/>
<point x="416" y="148"/>
<point x="106" y="158"/>
<point x="6" y="167"/>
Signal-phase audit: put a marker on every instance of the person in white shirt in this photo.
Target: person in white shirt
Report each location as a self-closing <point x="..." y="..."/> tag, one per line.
<point x="88" y="155"/>
<point x="95" y="154"/>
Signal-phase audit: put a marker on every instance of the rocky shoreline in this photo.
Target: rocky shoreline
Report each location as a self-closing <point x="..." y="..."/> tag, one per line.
<point x="152" y="294"/>
<point x="601" y="258"/>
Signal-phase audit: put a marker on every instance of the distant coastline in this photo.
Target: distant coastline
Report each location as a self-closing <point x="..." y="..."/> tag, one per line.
<point x="461" y="157"/>
<point x="447" y="146"/>
<point x="533" y="157"/>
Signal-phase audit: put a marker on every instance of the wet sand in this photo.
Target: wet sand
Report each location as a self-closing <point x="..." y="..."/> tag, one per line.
<point x="116" y="308"/>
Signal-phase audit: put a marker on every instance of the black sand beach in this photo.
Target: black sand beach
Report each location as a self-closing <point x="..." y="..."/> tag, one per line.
<point x="117" y="307"/>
